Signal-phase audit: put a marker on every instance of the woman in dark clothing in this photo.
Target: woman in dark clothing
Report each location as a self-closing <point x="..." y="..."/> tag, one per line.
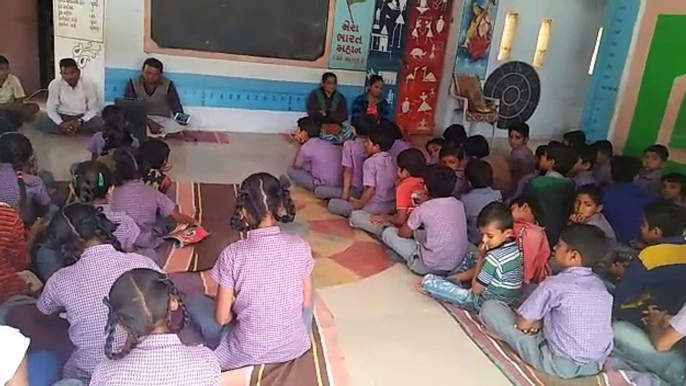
<point x="325" y="104"/>
<point x="372" y="102"/>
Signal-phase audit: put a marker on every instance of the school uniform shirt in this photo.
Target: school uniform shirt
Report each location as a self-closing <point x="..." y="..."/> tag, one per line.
<point x="603" y="173"/>
<point x="584" y="178"/>
<point x="461" y="184"/>
<point x="127" y="231"/>
<point x="522" y="160"/>
<point x="266" y="272"/>
<point x="11" y="90"/>
<point x="36" y="193"/>
<point x="322" y="159"/>
<point x="97" y="143"/>
<point x="623" y="208"/>
<point x="474" y="201"/>
<point x="67" y="100"/>
<point x="446" y="232"/>
<point x="79" y="290"/>
<point x="160" y="359"/>
<point x="576" y="310"/>
<point x="380" y="172"/>
<point x="354" y="154"/>
<point x="143" y="204"/>
<point x="649" y="181"/>
<point x="398" y="147"/>
<point x="502" y="274"/>
<point x="656" y="277"/>
<point x="405" y="190"/>
<point x="601" y="222"/>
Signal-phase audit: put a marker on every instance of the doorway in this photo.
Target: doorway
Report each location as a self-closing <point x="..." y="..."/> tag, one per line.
<point x="46" y="42"/>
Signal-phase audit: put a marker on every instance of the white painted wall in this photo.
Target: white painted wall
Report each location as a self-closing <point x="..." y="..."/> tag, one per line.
<point x="564" y="77"/>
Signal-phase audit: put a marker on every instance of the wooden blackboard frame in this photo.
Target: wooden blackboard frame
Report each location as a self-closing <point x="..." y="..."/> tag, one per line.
<point x="151" y="47"/>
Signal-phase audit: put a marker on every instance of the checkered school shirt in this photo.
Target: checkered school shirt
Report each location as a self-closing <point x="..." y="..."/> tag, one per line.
<point x="127" y="231"/>
<point x="577" y="315"/>
<point x="78" y="290"/>
<point x="160" y="360"/>
<point x="9" y="188"/>
<point x="142" y="203"/>
<point x="266" y="272"/>
<point x="446" y="232"/>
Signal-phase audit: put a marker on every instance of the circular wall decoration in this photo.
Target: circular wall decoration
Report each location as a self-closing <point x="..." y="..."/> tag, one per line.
<point x="518" y="88"/>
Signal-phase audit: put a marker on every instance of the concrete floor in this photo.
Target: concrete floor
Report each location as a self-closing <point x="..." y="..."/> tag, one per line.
<point x="389" y="333"/>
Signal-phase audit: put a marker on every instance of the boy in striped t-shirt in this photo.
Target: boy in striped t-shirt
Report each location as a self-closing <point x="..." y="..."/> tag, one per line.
<point x="499" y="265"/>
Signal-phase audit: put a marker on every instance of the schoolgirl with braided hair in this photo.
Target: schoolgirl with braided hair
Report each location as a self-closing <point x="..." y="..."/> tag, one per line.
<point x="21" y="189"/>
<point x="141" y="303"/>
<point x="84" y="241"/>
<point x="265" y="294"/>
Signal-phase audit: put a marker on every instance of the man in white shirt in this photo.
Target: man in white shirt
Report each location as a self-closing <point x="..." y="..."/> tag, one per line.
<point x="73" y="105"/>
<point x="13" y="111"/>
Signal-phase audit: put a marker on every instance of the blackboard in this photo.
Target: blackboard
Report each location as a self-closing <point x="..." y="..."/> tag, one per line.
<point x="293" y="29"/>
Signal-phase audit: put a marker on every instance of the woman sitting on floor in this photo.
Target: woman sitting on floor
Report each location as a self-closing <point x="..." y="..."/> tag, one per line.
<point x="329" y="108"/>
<point x="372" y="102"/>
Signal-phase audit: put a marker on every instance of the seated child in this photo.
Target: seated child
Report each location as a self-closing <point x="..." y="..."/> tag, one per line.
<point x="78" y="289"/>
<point x="655" y="348"/>
<point x="564" y="328"/>
<point x="22" y="189"/>
<point x="318" y="162"/>
<point x="582" y="172"/>
<point x="480" y="177"/>
<point x="409" y="191"/>
<point x="141" y="303"/>
<point x="526" y="179"/>
<point x="574" y="138"/>
<point x="455" y="135"/>
<point x="623" y="201"/>
<point x="433" y="149"/>
<point x="476" y="147"/>
<point x="673" y="188"/>
<point x="654" y="158"/>
<point x="601" y="169"/>
<point x="499" y="265"/>
<point x="115" y="135"/>
<point x="588" y="207"/>
<point x="522" y="160"/>
<point x="452" y="157"/>
<point x="399" y="143"/>
<point x="531" y="239"/>
<point x="154" y="162"/>
<point x="379" y="174"/>
<point x="263" y="310"/>
<point x="658" y="276"/>
<point x="353" y="155"/>
<point x="443" y="219"/>
<point x="553" y="190"/>
<point x="154" y="213"/>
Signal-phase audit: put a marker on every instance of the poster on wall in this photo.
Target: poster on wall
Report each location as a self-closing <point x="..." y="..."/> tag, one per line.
<point x="389" y="31"/>
<point x="351" y="33"/>
<point x="428" y="28"/>
<point x="80" y="19"/>
<point x="476" y="36"/>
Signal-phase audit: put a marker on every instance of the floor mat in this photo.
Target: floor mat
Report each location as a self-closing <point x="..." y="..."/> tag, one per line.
<point x="202" y="137"/>
<point x="518" y="372"/>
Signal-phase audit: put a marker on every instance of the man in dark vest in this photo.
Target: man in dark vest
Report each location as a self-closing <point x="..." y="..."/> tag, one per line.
<point x="159" y="96"/>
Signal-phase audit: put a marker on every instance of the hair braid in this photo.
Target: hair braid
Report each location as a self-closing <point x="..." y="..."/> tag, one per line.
<point x="104" y="230"/>
<point x="288" y="206"/>
<point x="110" y="329"/>
<point x="174" y="292"/>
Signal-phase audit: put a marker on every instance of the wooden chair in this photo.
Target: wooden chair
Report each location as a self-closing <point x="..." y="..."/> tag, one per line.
<point x="472" y="104"/>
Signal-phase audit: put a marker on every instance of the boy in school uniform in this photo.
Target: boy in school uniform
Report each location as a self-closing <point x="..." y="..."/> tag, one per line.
<point x="318" y="162"/>
<point x="433" y="149"/>
<point x="583" y="169"/>
<point x="409" y="191"/>
<point x="480" y="177"/>
<point x="522" y="160"/>
<point x="654" y="158"/>
<point x="601" y="168"/>
<point x="499" y="266"/>
<point x="452" y="157"/>
<point x="13" y="111"/>
<point x="443" y="219"/>
<point x="379" y="174"/>
<point x="588" y="207"/>
<point x="673" y="188"/>
<point x="658" y="276"/>
<point x="623" y="201"/>
<point x="564" y="328"/>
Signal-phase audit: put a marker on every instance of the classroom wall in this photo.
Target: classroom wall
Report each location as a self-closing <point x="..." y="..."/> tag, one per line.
<point x="564" y="76"/>
<point x="19" y="40"/>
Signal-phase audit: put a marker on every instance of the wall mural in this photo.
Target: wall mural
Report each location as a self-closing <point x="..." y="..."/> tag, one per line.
<point x="518" y="88"/>
<point x="423" y="64"/>
<point x="476" y="36"/>
<point x="351" y="34"/>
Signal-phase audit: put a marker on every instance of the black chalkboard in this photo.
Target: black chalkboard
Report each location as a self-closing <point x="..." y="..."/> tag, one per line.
<point x="284" y="29"/>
